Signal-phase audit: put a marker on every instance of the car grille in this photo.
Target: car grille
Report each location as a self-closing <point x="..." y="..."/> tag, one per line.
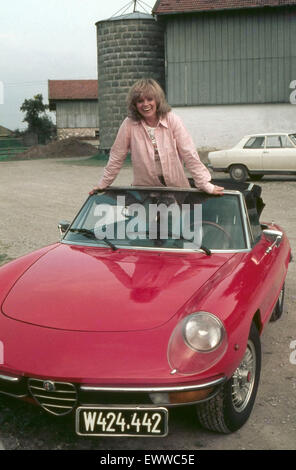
<point x="58" y="398"/>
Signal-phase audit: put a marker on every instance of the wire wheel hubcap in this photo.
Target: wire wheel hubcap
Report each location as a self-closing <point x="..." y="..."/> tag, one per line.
<point x="281" y="298"/>
<point x="243" y="379"/>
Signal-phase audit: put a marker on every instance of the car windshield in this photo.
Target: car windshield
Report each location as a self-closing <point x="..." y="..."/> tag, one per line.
<point x="160" y="219"/>
<point x="293" y="138"/>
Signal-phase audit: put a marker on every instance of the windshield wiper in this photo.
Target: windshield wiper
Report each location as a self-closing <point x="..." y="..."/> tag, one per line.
<point x="206" y="250"/>
<point x="180" y="237"/>
<point x="201" y="247"/>
<point x="90" y="234"/>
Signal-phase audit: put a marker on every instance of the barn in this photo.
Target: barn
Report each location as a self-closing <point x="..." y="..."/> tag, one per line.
<point x="230" y="66"/>
<point x="76" y="105"/>
<point x="5" y="133"/>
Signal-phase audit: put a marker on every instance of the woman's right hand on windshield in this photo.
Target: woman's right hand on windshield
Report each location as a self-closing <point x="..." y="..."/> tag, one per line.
<point x="96" y="189"/>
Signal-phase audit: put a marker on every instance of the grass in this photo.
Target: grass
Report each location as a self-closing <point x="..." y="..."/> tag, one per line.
<point x="4" y="259"/>
<point x="7" y="156"/>
<point x="8" y="143"/>
<point x="9" y="148"/>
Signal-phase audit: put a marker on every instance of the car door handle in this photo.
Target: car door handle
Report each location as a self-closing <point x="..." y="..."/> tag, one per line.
<point x="265" y="151"/>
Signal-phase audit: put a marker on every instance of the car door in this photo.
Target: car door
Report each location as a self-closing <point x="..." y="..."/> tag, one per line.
<point x="279" y="154"/>
<point x="252" y="152"/>
<point x="266" y="264"/>
<point x="269" y="271"/>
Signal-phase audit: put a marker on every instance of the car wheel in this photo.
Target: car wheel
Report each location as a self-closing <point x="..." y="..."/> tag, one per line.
<point x="231" y="407"/>
<point x="279" y="308"/>
<point x="238" y="173"/>
<point x="256" y="177"/>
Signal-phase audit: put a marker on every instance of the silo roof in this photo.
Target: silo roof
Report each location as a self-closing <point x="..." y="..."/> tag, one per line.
<point x="163" y="7"/>
<point x="136" y="15"/>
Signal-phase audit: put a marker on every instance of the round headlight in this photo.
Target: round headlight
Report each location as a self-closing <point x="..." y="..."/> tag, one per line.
<point x="203" y="332"/>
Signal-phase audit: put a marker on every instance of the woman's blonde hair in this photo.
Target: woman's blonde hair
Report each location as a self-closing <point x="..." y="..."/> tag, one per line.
<point x="146" y="87"/>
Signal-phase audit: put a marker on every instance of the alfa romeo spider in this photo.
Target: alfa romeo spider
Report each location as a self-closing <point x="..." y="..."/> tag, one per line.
<point x="153" y="298"/>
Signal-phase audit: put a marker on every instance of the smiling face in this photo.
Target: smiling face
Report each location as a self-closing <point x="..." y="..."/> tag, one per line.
<point x="147" y="108"/>
<point x="146" y="100"/>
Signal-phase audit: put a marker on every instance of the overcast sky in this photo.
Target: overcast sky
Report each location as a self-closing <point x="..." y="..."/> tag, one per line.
<point x="52" y="39"/>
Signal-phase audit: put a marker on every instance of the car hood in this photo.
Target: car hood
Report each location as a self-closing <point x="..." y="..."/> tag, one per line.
<point x="97" y="289"/>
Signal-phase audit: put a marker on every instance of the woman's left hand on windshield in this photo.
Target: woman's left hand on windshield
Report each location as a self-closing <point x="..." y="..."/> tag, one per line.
<point x="218" y="190"/>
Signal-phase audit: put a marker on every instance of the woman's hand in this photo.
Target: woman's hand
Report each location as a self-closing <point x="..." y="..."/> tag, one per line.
<point x="218" y="190"/>
<point x="96" y="189"/>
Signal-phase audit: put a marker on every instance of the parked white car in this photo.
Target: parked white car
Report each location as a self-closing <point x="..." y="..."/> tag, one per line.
<point x="257" y="155"/>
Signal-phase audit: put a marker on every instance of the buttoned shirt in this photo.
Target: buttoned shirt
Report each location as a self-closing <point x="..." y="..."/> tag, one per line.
<point x="151" y="132"/>
<point x="175" y="148"/>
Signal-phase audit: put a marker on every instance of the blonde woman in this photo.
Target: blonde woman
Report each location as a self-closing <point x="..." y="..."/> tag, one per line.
<point x="158" y="142"/>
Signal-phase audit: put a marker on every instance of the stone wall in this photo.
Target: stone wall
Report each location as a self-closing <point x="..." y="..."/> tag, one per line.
<point x="128" y="49"/>
<point x="84" y="132"/>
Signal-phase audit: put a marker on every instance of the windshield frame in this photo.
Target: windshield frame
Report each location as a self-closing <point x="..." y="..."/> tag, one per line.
<point x="292" y="138"/>
<point x="242" y="207"/>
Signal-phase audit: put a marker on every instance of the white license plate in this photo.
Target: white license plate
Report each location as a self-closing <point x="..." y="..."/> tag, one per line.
<point x="121" y="421"/>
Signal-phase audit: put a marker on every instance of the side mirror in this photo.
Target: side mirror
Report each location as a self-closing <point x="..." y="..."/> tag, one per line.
<point x="274" y="236"/>
<point x="63" y="227"/>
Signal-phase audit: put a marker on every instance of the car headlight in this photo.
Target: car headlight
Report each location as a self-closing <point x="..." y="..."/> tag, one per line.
<point x="197" y="343"/>
<point x="203" y="331"/>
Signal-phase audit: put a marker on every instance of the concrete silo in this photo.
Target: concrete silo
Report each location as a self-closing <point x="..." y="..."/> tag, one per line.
<point x="130" y="47"/>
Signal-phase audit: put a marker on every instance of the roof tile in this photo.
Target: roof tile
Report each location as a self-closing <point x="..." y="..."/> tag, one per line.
<point x="72" y="89"/>
<point x="186" y="6"/>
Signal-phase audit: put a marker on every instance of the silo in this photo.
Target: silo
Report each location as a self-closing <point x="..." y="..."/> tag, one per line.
<point x="130" y="47"/>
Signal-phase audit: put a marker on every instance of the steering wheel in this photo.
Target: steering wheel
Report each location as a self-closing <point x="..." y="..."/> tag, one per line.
<point x="219" y="227"/>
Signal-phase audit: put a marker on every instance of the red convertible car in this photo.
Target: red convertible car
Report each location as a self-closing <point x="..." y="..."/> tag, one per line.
<point x="154" y="298"/>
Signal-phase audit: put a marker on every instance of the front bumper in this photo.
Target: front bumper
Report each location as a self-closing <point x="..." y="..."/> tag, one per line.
<point x="61" y="398"/>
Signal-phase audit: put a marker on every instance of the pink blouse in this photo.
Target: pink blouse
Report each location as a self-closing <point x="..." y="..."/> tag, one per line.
<point x="175" y="146"/>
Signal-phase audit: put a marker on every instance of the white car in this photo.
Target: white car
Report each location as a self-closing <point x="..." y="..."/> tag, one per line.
<point x="257" y="155"/>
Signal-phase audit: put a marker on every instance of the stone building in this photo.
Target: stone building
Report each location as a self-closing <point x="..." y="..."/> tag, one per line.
<point x="130" y="47"/>
<point x="76" y="105"/>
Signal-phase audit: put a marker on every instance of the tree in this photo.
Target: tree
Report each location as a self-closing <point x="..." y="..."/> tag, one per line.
<point x="38" y="121"/>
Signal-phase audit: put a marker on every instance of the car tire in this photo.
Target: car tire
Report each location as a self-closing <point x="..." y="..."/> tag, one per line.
<point x="279" y="307"/>
<point x="231" y="407"/>
<point x="238" y="173"/>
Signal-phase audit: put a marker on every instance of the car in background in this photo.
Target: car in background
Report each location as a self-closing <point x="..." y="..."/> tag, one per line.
<point x="257" y="155"/>
<point x="127" y="317"/>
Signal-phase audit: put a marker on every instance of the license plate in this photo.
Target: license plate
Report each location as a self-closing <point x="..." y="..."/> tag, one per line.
<point x="119" y="421"/>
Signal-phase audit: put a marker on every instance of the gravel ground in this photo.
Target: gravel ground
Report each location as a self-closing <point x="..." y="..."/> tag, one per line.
<point x="34" y="197"/>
